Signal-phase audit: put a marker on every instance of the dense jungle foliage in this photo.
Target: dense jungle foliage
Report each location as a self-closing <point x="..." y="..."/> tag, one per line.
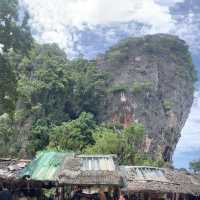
<point x="50" y="102"/>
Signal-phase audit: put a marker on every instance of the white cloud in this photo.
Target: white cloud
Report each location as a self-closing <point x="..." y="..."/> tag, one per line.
<point x="187" y="28"/>
<point x="168" y="2"/>
<point x="52" y="20"/>
<point x="76" y="12"/>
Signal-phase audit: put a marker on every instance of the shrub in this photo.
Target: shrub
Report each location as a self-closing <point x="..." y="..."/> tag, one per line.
<point x="167" y="104"/>
<point x="117" y="54"/>
<point x="118" y="88"/>
<point x="141" y="86"/>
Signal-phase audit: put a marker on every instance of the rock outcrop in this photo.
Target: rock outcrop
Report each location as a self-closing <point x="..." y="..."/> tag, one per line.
<point x="151" y="82"/>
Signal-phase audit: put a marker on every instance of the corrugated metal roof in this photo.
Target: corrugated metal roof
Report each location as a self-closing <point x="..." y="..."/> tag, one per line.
<point x="144" y="178"/>
<point x="144" y="173"/>
<point x="97" y="163"/>
<point x="89" y="170"/>
<point x="44" y="166"/>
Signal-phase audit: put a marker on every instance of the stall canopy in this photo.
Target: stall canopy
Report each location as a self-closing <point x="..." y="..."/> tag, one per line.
<point x="102" y="170"/>
<point x="189" y="183"/>
<point x="71" y="169"/>
<point x="90" y="170"/>
<point x="151" y="179"/>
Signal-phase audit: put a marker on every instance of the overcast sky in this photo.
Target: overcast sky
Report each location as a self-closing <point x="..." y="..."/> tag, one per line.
<point x="50" y="17"/>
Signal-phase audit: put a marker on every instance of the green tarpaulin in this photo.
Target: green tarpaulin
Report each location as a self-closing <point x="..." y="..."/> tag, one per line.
<point x="44" y="166"/>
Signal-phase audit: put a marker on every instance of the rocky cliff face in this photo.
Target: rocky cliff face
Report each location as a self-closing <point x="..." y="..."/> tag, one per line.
<point x="151" y="82"/>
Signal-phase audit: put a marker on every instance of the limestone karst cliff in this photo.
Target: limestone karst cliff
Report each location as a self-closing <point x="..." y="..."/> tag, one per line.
<point x="151" y="82"/>
<point x="61" y="103"/>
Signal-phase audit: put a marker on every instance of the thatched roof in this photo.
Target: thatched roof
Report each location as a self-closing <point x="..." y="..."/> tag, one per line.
<point x="144" y="178"/>
<point x="89" y="170"/>
<point x="10" y="168"/>
<point x="70" y="169"/>
<point x="188" y="183"/>
<point x="67" y="168"/>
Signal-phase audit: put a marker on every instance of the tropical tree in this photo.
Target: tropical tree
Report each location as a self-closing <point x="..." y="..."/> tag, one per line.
<point x="74" y="135"/>
<point x="195" y="166"/>
<point x="14" y="36"/>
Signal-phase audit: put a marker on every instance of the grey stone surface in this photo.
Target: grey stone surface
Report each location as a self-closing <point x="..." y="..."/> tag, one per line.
<point x="151" y="82"/>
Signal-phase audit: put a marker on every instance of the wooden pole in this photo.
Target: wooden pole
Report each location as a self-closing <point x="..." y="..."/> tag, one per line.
<point x="177" y="196"/>
<point x="62" y="193"/>
<point x="149" y="197"/>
